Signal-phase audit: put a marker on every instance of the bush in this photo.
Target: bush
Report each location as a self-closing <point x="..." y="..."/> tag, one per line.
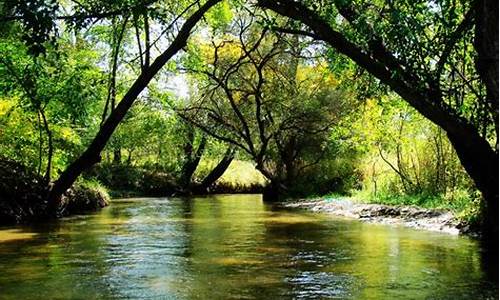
<point x="470" y="209"/>
<point x="117" y="176"/>
<point x="128" y="180"/>
<point x="22" y="193"/>
<point x="85" y="195"/>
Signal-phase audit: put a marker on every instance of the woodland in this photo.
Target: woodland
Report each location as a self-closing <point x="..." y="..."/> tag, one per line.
<point x="390" y="102"/>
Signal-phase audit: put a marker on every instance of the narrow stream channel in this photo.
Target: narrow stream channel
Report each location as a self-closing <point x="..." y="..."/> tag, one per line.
<point x="233" y="247"/>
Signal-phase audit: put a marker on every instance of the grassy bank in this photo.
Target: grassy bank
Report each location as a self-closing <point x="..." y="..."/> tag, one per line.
<point x="85" y="196"/>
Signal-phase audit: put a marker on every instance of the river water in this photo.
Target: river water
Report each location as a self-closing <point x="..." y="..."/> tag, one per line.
<point x="233" y="247"/>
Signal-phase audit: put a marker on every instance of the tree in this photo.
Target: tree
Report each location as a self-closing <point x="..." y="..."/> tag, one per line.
<point x="92" y="154"/>
<point x="423" y="52"/>
<point x="192" y="156"/>
<point x="258" y="97"/>
<point x="60" y="91"/>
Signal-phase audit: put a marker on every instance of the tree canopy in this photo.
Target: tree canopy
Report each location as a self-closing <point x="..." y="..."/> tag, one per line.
<point x="316" y="95"/>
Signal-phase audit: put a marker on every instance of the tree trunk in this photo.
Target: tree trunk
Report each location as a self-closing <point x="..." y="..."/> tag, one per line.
<point x="479" y="159"/>
<point x="129" y="157"/>
<point x="115" y="45"/>
<point x="50" y="153"/>
<point x="92" y="154"/>
<point x="486" y="175"/>
<point x="481" y="163"/>
<point x="276" y="190"/>
<point x="216" y="172"/>
<point x="486" y="45"/>
<point x="40" y="144"/>
<point x="191" y="162"/>
<point x="289" y="157"/>
<point x="117" y="156"/>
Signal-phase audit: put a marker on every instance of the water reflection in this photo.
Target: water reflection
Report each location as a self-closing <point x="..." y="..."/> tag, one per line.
<point x="233" y="247"/>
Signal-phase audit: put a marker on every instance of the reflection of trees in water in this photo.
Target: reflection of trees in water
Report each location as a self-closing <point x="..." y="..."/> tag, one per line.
<point x="397" y="262"/>
<point x="309" y="249"/>
<point x="64" y="258"/>
<point x="220" y="246"/>
<point x="147" y="251"/>
<point x="225" y="231"/>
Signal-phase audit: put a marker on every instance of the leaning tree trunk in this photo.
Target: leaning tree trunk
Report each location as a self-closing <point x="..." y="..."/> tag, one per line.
<point x="92" y="154"/>
<point x="216" y="172"/>
<point x="477" y="156"/>
<point x="192" y="161"/>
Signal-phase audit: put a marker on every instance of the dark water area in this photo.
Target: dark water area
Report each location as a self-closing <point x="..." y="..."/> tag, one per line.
<point x="233" y="247"/>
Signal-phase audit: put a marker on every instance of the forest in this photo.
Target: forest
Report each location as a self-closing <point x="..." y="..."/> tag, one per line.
<point x="387" y="102"/>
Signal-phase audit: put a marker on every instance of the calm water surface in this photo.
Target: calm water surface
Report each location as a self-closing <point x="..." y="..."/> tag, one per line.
<point x="233" y="247"/>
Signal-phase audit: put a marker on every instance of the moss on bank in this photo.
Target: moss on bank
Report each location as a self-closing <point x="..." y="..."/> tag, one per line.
<point x="23" y="196"/>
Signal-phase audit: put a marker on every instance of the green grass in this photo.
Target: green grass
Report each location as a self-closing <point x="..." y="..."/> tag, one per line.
<point x="464" y="204"/>
<point x="94" y="186"/>
<point x="239" y="173"/>
<point x="457" y="201"/>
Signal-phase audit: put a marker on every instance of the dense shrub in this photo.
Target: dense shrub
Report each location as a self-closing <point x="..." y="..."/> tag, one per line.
<point x="85" y="196"/>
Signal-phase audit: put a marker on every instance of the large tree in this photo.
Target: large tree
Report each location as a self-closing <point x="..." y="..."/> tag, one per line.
<point x="260" y="94"/>
<point x="39" y="19"/>
<point x="424" y="51"/>
<point x="92" y="154"/>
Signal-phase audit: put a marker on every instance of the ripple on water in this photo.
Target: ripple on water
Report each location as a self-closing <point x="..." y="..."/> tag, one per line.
<point x="223" y="247"/>
<point x="7" y="235"/>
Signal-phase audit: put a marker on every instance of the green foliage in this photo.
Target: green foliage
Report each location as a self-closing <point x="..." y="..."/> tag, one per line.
<point x="469" y="209"/>
<point x="405" y="154"/>
<point x="279" y="108"/>
<point x="219" y="16"/>
<point x="86" y="195"/>
<point x="301" y="114"/>
<point x="63" y="87"/>
<point x="408" y="161"/>
<point x="434" y="41"/>
<point x="38" y="20"/>
<point x="125" y="180"/>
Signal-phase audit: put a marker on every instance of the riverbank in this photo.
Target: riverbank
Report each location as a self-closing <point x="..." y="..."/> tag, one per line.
<point x="126" y="180"/>
<point x="23" y="196"/>
<point x="409" y="216"/>
<point x="138" y="249"/>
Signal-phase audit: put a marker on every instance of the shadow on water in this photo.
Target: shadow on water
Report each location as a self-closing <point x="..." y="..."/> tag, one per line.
<point x="233" y="247"/>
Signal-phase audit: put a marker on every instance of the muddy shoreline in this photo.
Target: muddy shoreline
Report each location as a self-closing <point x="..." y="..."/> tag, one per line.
<point x="409" y="216"/>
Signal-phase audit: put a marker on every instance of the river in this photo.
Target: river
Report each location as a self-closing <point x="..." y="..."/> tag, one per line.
<point x="233" y="247"/>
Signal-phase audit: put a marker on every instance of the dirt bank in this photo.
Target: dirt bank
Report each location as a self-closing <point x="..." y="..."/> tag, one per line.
<point x="409" y="216"/>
